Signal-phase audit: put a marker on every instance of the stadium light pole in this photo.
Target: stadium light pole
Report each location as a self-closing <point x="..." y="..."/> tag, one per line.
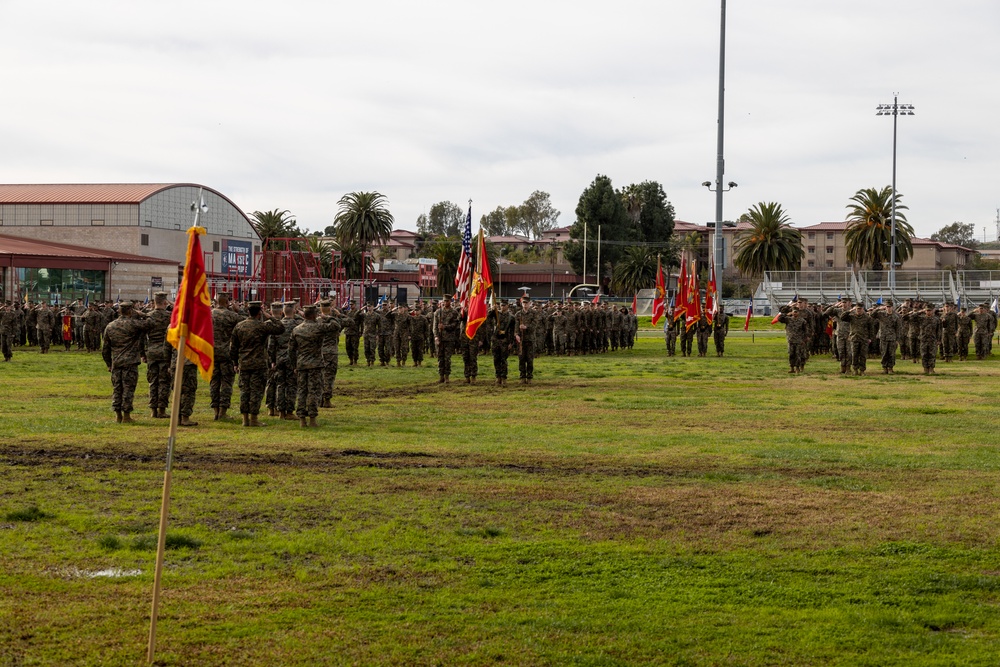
<point x="895" y="110"/>
<point x="720" y="162"/>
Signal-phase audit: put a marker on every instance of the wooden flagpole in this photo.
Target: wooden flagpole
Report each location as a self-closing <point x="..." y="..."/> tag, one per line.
<point x="175" y="411"/>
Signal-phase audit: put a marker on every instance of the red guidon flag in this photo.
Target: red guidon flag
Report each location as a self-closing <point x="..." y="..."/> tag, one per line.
<point x="680" y="298"/>
<point x="482" y="282"/>
<point x="692" y="296"/>
<point x="192" y="316"/>
<point x="710" y="293"/>
<point x="661" y="294"/>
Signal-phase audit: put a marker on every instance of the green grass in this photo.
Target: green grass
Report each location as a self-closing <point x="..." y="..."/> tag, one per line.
<point x="625" y="509"/>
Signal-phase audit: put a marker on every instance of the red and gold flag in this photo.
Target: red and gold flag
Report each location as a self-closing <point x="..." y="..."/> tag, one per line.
<point x="192" y="315"/>
<point x="482" y="282"/>
<point x="710" y="293"/>
<point x="680" y="299"/>
<point x="661" y="293"/>
<point x="692" y="298"/>
<point x="67" y="327"/>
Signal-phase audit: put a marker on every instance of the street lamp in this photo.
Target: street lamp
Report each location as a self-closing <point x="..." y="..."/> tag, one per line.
<point x="895" y="110"/>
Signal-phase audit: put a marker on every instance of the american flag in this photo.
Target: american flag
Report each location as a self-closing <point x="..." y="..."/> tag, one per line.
<point x="463" y="276"/>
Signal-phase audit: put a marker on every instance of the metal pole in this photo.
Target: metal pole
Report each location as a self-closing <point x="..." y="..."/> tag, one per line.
<point x="598" y="259"/>
<point x="892" y="232"/>
<point x="720" y="163"/>
<point x="585" y="225"/>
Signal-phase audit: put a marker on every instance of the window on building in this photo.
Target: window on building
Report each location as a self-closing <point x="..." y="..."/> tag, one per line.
<point x="45" y="223"/>
<point x="811" y="264"/>
<point x="215" y="246"/>
<point x="829" y="236"/>
<point x="812" y="235"/>
<point x="177" y="227"/>
<point x="829" y="263"/>
<point x="149" y="223"/>
<point x="144" y="239"/>
<point x="256" y="248"/>
<point x="812" y="250"/>
<point x="97" y="223"/>
<point x="229" y="232"/>
<point x="829" y="250"/>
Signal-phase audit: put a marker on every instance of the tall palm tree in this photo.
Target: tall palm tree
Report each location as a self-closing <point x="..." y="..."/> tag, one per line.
<point x="318" y="247"/>
<point x="635" y="270"/>
<point x="446" y="251"/>
<point x="351" y="260"/>
<point x="869" y="231"/>
<point x="771" y="244"/>
<point x="274" y="224"/>
<point x="363" y="218"/>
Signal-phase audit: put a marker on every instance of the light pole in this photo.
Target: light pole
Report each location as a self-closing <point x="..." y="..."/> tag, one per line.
<point x="895" y="110"/>
<point x="720" y="162"/>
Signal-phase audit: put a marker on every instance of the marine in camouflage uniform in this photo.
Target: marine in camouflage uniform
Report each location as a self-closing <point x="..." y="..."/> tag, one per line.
<point x="45" y="320"/>
<point x="386" y="328"/>
<point x="670" y="335"/>
<point x="890" y="326"/>
<point x="857" y="340"/>
<point x="795" y="333"/>
<point x="447" y="325"/>
<point x="720" y="329"/>
<point x="352" y="336"/>
<point x="249" y="356"/>
<point x="929" y="326"/>
<point x="687" y="334"/>
<point x="469" y="348"/>
<point x="401" y="334"/>
<point x="122" y="352"/>
<point x="418" y="335"/>
<point x="224" y="319"/>
<point x="704" y="329"/>
<point x="271" y="391"/>
<point x="949" y="332"/>
<point x="158" y="357"/>
<point x="283" y="371"/>
<point x="501" y="340"/>
<point x="305" y="355"/>
<point x="559" y="338"/>
<point x="841" y="350"/>
<point x="372" y="325"/>
<point x="983" y="320"/>
<point x="527" y="324"/>
<point x="9" y="324"/>
<point x="964" y="334"/>
<point x="331" y="348"/>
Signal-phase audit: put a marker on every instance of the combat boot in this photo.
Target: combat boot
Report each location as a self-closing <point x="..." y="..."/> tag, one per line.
<point x="163" y="413"/>
<point x="312" y="422"/>
<point x="290" y="416"/>
<point x="216" y="417"/>
<point x="441" y="379"/>
<point x="246" y="419"/>
<point x="302" y="422"/>
<point x="154" y="413"/>
<point x="271" y="412"/>
<point x="254" y="422"/>
<point x="186" y="421"/>
<point x="468" y="380"/>
<point x="223" y="414"/>
<point x="118" y="416"/>
<point x="127" y="418"/>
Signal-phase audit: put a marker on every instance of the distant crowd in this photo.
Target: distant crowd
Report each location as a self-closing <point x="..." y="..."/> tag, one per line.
<point x="921" y="332"/>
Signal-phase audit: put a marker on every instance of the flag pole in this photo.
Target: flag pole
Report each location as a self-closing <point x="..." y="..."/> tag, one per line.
<point x="175" y="411"/>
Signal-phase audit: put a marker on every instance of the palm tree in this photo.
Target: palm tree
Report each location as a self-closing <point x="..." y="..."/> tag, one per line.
<point x="635" y="270"/>
<point x="351" y="260"/>
<point x="274" y="224"/>
<point x="869" y="231"/>
<point x="771" y="244"/>
<point x="318" y="247"/>
<point x="446" y="251"/>
<point x="363" y="219"/>
<point x="691" y="244"/>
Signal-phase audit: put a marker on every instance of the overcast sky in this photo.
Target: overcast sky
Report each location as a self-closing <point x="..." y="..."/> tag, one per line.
<point x="290" y="105"/>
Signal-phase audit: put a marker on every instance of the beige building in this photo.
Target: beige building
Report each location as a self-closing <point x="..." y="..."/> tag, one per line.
<point x="826" y="250"/>
<point x="139" y="220"/>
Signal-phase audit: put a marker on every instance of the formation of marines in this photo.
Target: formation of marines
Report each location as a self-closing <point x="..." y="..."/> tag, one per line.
<point x="286" y="356"/>
<point x="919" y="330"/>
<point x="716" y="327"/>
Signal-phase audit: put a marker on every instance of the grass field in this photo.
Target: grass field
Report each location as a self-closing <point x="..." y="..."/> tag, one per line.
<point x="625" y="509"/>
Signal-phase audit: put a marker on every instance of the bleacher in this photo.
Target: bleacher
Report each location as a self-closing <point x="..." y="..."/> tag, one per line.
<point x="939" y="287"/>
